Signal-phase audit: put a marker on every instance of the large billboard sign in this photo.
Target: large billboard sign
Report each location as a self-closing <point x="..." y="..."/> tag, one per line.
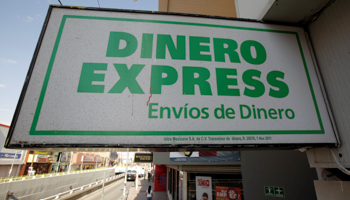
<point x="107" y="77"/>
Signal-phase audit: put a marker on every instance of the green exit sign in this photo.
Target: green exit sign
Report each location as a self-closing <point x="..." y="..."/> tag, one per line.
<point x="274" y="191"/>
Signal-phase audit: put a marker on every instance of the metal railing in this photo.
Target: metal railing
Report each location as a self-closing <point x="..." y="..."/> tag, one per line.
<point x="27" y="177"/>
<point x="87" y="186"/>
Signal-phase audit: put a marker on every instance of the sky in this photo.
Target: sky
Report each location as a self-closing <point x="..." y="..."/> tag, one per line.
<point x="20" y="26"/>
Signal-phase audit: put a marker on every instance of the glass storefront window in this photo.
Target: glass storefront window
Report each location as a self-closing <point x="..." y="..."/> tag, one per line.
<point x="218" y="179"/>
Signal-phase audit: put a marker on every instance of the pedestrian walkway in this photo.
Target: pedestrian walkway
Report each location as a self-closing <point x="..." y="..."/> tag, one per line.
<point x="140" y="192"/>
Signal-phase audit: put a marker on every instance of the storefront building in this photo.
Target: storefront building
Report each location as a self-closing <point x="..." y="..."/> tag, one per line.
<point x="62" y="161"/>
<point x="40" y="161"/>
<point x="326" y="23"/>
<point x="11" y="161"/>
<point x="83" y="161"/>
<point x="246" y="178"/>
<point x="259" y="173"/>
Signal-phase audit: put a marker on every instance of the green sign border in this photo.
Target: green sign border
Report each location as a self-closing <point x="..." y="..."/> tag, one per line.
<point x="163" y="133"/>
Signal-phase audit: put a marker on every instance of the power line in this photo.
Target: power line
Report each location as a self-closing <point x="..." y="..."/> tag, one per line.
<point x="98" y="1"/>
<point x="60" y="2"/>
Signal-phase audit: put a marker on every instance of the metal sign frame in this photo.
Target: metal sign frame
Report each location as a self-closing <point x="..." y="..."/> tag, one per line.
<point x="138" y="147"/>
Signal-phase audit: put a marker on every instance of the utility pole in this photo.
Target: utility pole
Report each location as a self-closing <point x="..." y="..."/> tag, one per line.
<point x="107" y="159"/>
<point x="82" y="163"/>
<point x="96" y="161"/>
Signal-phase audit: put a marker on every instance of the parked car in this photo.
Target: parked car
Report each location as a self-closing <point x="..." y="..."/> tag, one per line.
<point x="131" y="175"/>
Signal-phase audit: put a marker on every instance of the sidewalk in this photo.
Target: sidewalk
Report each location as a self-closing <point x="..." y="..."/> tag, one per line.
<point x="140" y="193"/>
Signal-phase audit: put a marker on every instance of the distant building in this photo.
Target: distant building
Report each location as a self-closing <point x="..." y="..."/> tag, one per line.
<point x="88" y="160"/>
<point x="41" y="161"/>
<point x="9" y="157"/>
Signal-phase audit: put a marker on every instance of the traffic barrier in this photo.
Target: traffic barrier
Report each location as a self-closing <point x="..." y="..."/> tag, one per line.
<point x="37" y="187"/>
<point x="87" y="186"/>
<point x="25" y="177"/>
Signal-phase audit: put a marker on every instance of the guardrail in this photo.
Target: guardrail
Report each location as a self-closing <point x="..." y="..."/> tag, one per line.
<point x="81" y="188"/>
<point x="26" y="177"/>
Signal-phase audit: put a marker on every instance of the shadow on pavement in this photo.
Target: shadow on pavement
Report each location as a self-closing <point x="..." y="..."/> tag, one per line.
<point x="140" y="193"/>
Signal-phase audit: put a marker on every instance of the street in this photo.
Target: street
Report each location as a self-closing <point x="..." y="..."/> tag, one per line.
<point x="111" y="191"/>
<point x="115" y="191"/>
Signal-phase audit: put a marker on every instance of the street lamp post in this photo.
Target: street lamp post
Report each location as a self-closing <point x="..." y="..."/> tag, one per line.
<point x="59" y="160"/>
<point x="96" y="163"/>
<point x="70" y="161"/>
<point x="82" y="163"/>
<point x="126" y="172"/>
<point x="33" y="159"/>
<point x="12" y="163"/>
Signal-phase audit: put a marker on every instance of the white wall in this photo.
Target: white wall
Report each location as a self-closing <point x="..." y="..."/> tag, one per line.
<point x="279" y="168"/>
<point x="330" y="38"/>
<point x="253" y="9"/>
<point x="7" y="161"/>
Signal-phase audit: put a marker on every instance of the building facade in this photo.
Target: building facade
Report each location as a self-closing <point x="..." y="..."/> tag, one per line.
<point x="86" y="160"/>
<point x="328" y="28"/>
<point x="326" y="23"/>
<point x="11" y="160"/>
<point x="255" y="170"/>
<point x="40" y="161"/>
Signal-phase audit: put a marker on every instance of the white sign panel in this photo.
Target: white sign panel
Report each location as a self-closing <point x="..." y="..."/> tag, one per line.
<point x="203" y="188"/>
<point x="107" y="77"/>
<point x="89" y="158"/>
